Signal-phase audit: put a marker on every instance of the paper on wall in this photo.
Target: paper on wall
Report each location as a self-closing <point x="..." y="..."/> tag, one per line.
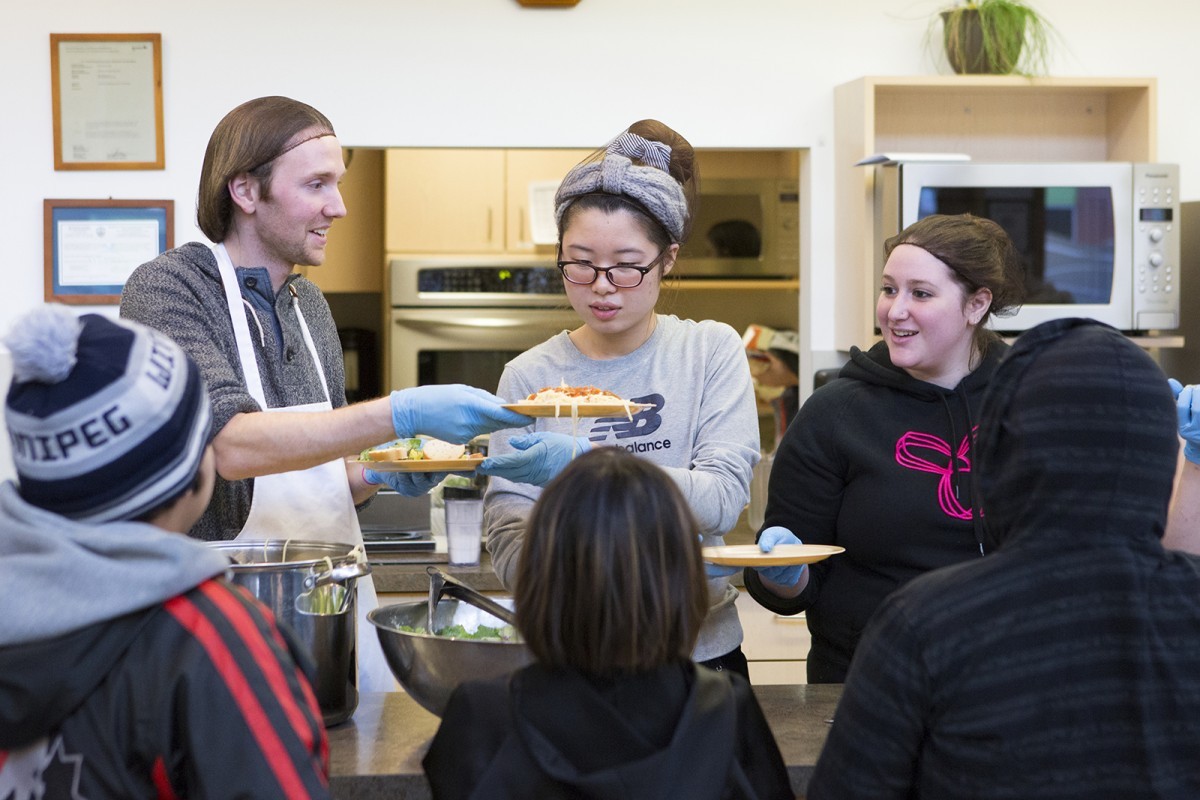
<point x="542" y="227"/>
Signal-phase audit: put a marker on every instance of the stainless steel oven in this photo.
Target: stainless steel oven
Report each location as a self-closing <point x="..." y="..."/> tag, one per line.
<point x="459" y="320"/>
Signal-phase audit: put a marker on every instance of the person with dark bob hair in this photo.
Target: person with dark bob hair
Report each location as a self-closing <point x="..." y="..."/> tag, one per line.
<point x="878" y="461"/>
<point x="610" y="597"/>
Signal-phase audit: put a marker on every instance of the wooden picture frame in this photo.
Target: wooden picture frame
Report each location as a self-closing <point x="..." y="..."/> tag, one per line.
<point x="107" y="100"/>
<point x="91" y="246"/>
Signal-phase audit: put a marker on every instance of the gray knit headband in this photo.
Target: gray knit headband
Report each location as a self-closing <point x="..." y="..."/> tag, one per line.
<point x="651" y="187"/>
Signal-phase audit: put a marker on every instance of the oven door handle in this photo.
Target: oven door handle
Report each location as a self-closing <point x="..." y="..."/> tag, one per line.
<point x="482" y="322"/>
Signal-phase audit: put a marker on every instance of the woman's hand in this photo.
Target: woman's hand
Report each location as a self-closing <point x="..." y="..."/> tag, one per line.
<point x="782" y="575"/>
<point x="1187" y="406"/>
<point x="536" y="458"/>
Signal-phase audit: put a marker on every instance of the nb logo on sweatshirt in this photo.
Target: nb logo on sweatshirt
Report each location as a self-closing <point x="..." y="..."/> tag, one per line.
<point x="643" y="424"/>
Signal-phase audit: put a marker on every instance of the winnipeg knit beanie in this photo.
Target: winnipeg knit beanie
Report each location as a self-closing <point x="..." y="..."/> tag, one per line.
<point x="108" y="418"/>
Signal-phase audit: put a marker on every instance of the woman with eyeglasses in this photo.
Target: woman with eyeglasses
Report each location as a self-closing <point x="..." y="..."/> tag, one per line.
<point x="623" y="214"/>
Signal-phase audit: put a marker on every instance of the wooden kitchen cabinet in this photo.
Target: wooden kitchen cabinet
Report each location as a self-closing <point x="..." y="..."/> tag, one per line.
<point x="354" y="255"/>
<point x="462" y="200"/>
<point x="988" y="117"/>
<point x="442" y="200"/>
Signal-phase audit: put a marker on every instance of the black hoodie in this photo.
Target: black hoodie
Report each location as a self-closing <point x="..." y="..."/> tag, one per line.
<point x="680" y="731"/>
<point x="1065" y="664"/>
<point x="877" y="462"/>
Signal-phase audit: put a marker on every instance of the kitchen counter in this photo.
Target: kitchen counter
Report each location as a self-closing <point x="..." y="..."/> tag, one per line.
<point x="378" y="752"/>
<point x="406" y="573"/>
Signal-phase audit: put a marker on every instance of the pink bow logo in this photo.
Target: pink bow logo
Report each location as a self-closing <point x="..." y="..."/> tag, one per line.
<point x="906" y="457"/>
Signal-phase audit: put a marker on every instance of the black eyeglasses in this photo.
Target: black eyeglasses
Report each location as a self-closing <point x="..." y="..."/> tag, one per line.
<point x="625" y="276"/>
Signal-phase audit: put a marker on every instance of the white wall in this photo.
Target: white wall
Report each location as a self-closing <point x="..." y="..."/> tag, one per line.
<point x="747" y="73"/>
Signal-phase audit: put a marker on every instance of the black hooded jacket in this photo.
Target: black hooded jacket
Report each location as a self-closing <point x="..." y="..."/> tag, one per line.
<point x="1066" y="663"/>
<point x="680" y="731"/>
<point x="877" y="462"/>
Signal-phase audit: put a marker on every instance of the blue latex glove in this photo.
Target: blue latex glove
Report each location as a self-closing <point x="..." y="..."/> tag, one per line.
<point x="409" y="484"/>
<point x="538" y="458"/>
<point x="784" y="574"/>
<point x="1187" y="406"/>
<point x="454" y="413"/>
<point x="718" y="570"/>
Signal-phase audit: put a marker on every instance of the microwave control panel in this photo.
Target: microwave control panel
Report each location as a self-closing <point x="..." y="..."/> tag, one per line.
<point x="1156" y="250"/>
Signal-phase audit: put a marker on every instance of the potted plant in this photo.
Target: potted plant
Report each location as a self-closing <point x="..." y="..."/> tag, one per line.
<point x="996" y="37"/>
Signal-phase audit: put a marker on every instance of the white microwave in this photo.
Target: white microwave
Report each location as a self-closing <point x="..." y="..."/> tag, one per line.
<point x="744" y="228"/>
<point x="1100" y="239"/>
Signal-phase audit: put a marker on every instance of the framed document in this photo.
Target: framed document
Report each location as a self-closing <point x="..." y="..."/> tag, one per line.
<point x="92" y="246"/>
<point x="107" y="93"/>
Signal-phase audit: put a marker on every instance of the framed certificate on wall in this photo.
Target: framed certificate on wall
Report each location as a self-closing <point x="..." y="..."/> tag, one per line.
<point x="107" y="100"/>
<point x="92" y="246"/>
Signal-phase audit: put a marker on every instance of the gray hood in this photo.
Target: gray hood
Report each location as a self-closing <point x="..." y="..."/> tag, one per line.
<point x="59" y="576"/>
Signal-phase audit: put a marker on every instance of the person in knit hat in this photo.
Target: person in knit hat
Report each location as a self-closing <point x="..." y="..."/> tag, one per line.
<point x="623" y="214"/>
<point x="1066" y="663"/>
<point x="129" y="667"/>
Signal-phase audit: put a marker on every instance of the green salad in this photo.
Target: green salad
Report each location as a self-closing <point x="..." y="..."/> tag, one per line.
<point x="484" y="633"/>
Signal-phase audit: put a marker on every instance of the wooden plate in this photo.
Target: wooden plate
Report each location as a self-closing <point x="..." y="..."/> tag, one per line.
<point x="467" y="464"/>
<point x="585" y="410"/>
<point x="748" y="555"/>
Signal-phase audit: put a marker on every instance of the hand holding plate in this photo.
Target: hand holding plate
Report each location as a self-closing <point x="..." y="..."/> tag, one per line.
<point x="786" y="574"/>
<point x="455" y="413"/>
<point x="536" y="458"/>
<point x="1187" y="406"/>
<point x="409" y="484"/>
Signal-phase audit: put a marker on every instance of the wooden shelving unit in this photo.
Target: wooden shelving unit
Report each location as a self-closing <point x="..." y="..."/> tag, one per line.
<point x="988" y="117"/>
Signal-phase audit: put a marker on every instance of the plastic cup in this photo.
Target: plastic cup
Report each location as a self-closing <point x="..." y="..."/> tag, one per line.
<point x="464" y="526"/>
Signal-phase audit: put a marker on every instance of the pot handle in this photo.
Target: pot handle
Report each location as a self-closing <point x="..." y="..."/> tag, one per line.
<point x="340" y="574"/>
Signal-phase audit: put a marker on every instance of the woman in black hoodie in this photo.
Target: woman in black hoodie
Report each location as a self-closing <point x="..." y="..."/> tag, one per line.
<point x="610" y="595"/>
<point x="879" y="460"/>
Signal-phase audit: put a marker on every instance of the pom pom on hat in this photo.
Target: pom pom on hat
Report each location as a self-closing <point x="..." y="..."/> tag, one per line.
<point x="108" y="419"/>
<point x="43" y="345"/>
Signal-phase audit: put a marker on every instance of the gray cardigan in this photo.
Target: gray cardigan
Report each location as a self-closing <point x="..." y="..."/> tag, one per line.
<point x="180" y="293"/>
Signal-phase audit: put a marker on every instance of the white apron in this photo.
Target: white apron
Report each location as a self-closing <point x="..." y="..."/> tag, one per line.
<point x="313" y="504"/>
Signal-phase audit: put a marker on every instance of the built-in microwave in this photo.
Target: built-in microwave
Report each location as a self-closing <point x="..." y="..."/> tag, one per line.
<point x="744" y="228"/>
<point x="1100" y="239"/>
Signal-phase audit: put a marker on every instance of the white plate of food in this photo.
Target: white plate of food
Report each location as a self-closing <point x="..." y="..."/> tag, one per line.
<point x="531" y="409"/>
<point x="419" y="454"/>
<point x="465" y="464"/>
<point x="575" y="401"/>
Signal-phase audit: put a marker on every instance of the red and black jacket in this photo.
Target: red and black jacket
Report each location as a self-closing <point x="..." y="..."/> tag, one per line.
<point x="201" y="696"/>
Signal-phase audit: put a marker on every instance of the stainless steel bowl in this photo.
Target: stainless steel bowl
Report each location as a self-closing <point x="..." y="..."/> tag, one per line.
<point x="429" y="667"/>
